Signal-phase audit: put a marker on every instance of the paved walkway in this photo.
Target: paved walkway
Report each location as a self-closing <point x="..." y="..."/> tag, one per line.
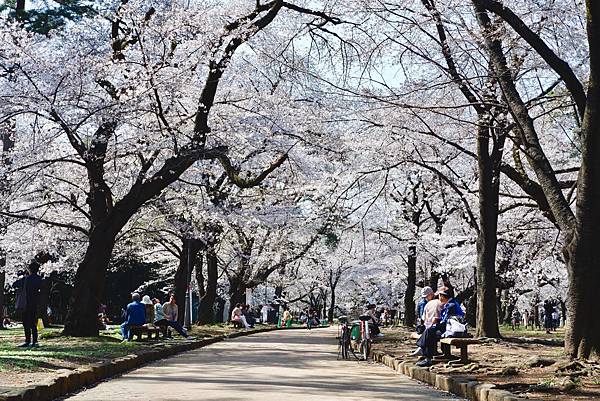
<point x="292" y="365"/>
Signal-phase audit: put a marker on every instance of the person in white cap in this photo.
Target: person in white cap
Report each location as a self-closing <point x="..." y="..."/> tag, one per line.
<point x="149" y="308"/>
<point x="431" y="314"/>
<point x="426" y="296"/>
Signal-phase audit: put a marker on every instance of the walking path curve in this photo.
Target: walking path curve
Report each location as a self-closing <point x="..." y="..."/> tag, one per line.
<point x="287" y="365"/>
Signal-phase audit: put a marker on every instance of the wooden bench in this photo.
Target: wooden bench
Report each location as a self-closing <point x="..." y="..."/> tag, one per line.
<point x="138" y="331"/>
<point x="461" y="343"/>
<point x="458" y="342"/>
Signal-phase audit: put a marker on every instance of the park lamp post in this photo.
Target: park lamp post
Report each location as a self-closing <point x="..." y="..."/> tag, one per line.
<point x="187" y="320"/>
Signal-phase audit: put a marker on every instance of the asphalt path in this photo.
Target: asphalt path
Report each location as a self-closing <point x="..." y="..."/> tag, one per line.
<point x="286" y="365"/>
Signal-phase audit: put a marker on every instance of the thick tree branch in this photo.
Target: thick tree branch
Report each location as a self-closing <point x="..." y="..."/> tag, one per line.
<point x="559" y="66"/>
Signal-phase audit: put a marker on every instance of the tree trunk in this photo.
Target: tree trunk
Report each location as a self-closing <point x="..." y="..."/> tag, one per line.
<point x="20" y="12"/>
<point x="2" y="284"/>
<point x="44" y="301"/>
<point x="434" y="278"/>
<point x="220" y="310"/>
<point x="331" y="305"/>
<point x="409" y="295"/>
<point x="189" y="253"/>
<point x="487" y="241"/>
<point x="471" y="310"/>
<point x="199" y="268"/>
<point x="237" y="294"/>
<point x="582" y="337"/>
<point x="88" y="291"/>
<point x="206" y="308"/>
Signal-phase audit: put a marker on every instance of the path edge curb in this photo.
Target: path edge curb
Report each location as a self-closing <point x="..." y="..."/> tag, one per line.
<point x="463" y="386"/>
<point x="69" y="381"/>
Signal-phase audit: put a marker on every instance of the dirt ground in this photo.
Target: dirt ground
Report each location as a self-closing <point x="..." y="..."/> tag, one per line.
<point x="528" y="370"/>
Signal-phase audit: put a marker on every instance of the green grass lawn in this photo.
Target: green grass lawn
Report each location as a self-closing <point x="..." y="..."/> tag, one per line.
<point x="507" y="331"/>
<point x="58" y="352"/>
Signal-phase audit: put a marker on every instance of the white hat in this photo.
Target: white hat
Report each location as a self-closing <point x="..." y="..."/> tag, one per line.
<point x="424" y="292"/>
<point x="146" y="300"/>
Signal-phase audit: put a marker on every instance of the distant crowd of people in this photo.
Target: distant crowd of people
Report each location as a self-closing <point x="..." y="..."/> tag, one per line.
<point x="549" y="317"/>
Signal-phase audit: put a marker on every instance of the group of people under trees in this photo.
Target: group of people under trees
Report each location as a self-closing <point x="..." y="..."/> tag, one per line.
<point x="243" y="315"/>
<point x="436" y="311"/>
<point x="147" y="311"/>
<point x="548" y="314"/>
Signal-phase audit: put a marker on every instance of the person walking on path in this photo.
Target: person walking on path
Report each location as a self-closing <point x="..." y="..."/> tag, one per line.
<point x="548" y="309"/>
<point x="30" y="286"/>
<point x="135" y="316"/>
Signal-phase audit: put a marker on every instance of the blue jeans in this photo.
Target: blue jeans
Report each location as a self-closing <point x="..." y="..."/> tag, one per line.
<point x="125" y="332"/>
<point x="174" y="324"/>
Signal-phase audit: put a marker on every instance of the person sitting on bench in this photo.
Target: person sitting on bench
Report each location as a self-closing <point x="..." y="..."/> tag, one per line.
<point x="374" y="321"/>
<point x="148" y="309"/>
<point x="238" y="316"/>
<point x="428" y="340"/>
<point x="135" y="315"/>
<point x="430" y="314"/>
<point x="166" y="315"/>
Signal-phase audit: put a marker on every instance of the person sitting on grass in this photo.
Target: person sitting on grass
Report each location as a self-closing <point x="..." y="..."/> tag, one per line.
<point x="167" y="314"/>
<point x="135" y="316"/>
<point x="286" y="318"/>
<point x="238" y="316"/>
<point x="30" y="286"/>
<point x="428" y="340"/>
<point x="249" y="315"/>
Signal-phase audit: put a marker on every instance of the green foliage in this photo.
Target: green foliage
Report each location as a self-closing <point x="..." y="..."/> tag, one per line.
<point x="44" y="16"/>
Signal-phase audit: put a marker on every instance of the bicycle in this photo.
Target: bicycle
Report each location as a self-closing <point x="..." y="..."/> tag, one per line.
<point x="362" y="337"/>
<point x="344" y="345"/>
<point x="364" y="347"/>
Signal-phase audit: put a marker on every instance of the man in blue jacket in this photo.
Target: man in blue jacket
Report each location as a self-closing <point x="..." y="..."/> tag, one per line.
<point x="428" y="340"/>
<point x="30" y="285"/>
<point x="135" y="316"/>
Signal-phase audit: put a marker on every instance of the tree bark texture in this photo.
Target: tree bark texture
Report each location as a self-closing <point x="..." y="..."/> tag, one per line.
<point x="2" y="284"/>
<point x="331" y="309"/>
<point x="82" y="314"/>
<point x="206" y="308"/>
<point x="189" y="253"/>
<point x="582" y="337"/>
<point x="579" y="228"/>
<point x="487" y="317"/>
<point x="411" y="282"/>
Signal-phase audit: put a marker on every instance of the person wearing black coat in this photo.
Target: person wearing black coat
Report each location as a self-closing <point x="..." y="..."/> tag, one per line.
<point x="31" y="285"/>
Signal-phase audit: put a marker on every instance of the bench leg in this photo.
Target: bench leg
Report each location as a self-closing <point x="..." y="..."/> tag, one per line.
<point x="446" y="350"/>
<point x="464" y="358"/>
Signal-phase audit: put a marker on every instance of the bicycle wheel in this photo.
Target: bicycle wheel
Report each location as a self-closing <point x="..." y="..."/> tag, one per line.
<point x="366" y="349"/>
<point x="344" y="342"/>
